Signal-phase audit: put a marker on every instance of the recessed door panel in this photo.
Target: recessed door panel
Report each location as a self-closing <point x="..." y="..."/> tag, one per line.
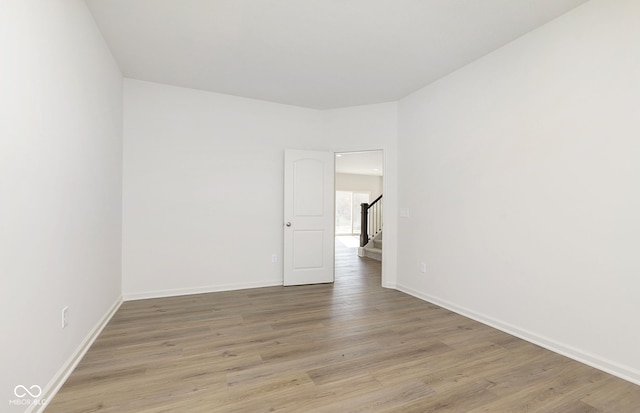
<point x="308" y="191"/>
<point x="308" y="249"/>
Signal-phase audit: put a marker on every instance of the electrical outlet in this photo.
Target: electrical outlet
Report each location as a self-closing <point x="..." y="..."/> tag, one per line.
<point x="274" y="258"/>
<point x="64" y="316"/>
<point x="423" y="267"/>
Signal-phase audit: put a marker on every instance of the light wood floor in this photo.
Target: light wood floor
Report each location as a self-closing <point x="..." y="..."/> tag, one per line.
<point x="348" y="347"/>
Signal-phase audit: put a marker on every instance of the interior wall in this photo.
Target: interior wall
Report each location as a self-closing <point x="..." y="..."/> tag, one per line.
<point x="519" y="173"/>
<point x="60" y="187"/>
<point x="203" y="185"/>
<point x="360" y="183"/>
<point x="203" y="188"/>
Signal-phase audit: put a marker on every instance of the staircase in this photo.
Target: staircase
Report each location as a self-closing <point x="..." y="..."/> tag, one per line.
<point x="371" y="230"/>
<point x="373" y="249"/>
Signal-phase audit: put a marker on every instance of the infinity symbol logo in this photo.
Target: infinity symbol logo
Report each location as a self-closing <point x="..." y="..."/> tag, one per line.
<point x="21" y="391"/>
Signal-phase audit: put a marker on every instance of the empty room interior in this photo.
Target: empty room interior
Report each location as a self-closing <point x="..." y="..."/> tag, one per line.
<point x="171" y="191"/>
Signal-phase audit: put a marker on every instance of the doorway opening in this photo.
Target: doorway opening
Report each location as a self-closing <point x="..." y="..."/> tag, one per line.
<point x="358" y="181"/>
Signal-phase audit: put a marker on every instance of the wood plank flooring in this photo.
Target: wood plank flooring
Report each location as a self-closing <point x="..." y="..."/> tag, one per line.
<point x="348" y="347"/>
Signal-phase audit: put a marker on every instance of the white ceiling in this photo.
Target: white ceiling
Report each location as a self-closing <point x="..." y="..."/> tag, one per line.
<point x="360" y="163"/>
<point x="313" y="53"/>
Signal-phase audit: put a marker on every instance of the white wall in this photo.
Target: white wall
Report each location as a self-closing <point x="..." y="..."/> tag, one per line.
<point x="521" y="172"/>
<point x="203" y="187"/>
<point x="60" y="187"/>
<point x="360" y="183"/>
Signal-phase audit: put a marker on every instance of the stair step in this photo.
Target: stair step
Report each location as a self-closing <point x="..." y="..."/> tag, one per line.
<point x="377" y="243"/>
<point x="373" y="253"/>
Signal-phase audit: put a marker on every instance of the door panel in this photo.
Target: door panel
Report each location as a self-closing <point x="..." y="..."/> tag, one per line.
<point x="308" y="217"/>
<point x="308" y="188"/>
<point x="308" y="249"/>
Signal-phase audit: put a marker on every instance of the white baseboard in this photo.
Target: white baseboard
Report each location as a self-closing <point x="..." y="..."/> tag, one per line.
<point x="592" y="360"/>
<point x="67" y="368"/>
<point x="198" y="290"/>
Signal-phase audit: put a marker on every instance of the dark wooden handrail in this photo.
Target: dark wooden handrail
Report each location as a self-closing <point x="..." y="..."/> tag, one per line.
<point x="365" y="223"/>
<point x="375" y="201"/>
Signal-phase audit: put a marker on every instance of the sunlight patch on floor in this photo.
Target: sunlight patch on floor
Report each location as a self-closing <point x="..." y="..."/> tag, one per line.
<point x="349" y="241"/>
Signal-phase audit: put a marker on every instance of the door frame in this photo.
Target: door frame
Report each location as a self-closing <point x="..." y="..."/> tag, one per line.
<point x="390" y="211"/>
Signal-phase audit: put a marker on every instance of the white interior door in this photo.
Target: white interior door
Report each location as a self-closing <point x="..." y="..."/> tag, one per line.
<point x="308" y="217"/>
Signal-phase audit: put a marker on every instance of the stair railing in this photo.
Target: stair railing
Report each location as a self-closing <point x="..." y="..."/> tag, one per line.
<point x="370" y="220"/>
